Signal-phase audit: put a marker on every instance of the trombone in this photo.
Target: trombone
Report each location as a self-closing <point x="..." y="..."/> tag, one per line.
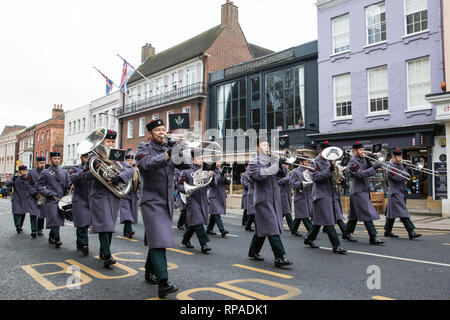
<point x="420" y="167"/>
<point x="291" y="158"/>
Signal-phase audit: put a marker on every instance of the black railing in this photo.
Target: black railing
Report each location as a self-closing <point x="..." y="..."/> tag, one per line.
<point x="198" y="88"/>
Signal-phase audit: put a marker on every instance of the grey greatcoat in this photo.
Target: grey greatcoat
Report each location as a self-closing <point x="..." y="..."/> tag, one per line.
<point x="266" y="196"/>
<point x="103" y="204"/>
<point x="245" y="181"/>
<point x="361" y="207"/>
<point x="396" y="207"/>
<point x="302" y="195"/>
<point x="21" y="198"/>
<point x="250" y="199"/>
<point x="326" y="200"/>
<point x="197" y="209"/>
<point x="285" y="190"/>
<point x="53" y="181"/>
<point x="177" y="175"/>
<point x="80" y="197"/>
<point x="217" y="193"/>
<point x="157" y="202"/>
<point x="129" y="208"/>
<point x="31" y="181"/>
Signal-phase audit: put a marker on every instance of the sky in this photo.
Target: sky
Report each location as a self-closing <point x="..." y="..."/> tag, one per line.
<point x="48" y="47"/>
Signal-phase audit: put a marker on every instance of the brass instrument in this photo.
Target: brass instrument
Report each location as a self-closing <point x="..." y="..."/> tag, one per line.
<point x="65" y="205"/>
<point x="136" y="180"/>
<point x="40" y="200"/>
<point x="201" y="180"/>
<point x="333" y="154"/>
<point x="420" y="167"/>
<point x="108" y="169"/>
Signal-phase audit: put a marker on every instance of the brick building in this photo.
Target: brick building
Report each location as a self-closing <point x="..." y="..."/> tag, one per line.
<point x="26" y="146"/>
<point x="176" y="78"/>
<point x="49" y="135"/>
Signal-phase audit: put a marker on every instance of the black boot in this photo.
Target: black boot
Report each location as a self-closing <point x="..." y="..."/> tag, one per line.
<point x="58" y="243"/>
<point x="187" y="244"/>
<point x="250" y="229"/>
<point x="282" y="262"/>
<point x="85" y="250"/>
<point x="51" y="240"/>
<point x="181" y="228"/>
<point x="129" y="234"/>
<point x="101" y="256"/>
<point x="297" y="234"/>
<point x="19" y="230"/>
<point x="348" y="237"/>
<point x="224" y="233"/>
<point x="413" y="235"/>
<point x="165" y="288"/>
<point x="205" y="248"/>
<point x="40" y="233"/>
<point x="339" y="250"/>
<point x="210" y="232"/>
<point x="390" y="235"/>
<point x="375" y="241"/>
<point x="310" y="243"/>
<point x="150" y="277"/>
<point x="109" y="261"/>
<point x="33" y="234"/>
<point x="255" y="256"/>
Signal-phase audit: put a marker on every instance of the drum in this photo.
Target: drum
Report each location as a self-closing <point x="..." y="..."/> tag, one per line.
<point x="65" y="207"/>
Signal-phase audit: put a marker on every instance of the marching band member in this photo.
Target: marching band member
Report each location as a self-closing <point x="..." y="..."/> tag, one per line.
<point x="267" y="202"/>
<point x="80" y="204"/>
<point x="129" y="206"/>
<point x="244" y="183"/>
<point x="361" y="207"/>
<point x="53" y="183"/>
<point x="250" y="204"/>
<point x="196" y="207"/>
<point x="181" y="205"/>
<point x="396" y="207"/>
<point x="103" y="203"/>
<point x="286" y="194"/>
<point x="32" y="180"/>
<point x="325" y="207"/>
<point x="302" y="197"/>
<point x="21" y="200"/>
<point x="217" y="197"/>
<point x="157" y="203"/>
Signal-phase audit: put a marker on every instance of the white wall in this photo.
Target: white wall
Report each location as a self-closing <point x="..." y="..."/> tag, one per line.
<point x="74" y="137"/>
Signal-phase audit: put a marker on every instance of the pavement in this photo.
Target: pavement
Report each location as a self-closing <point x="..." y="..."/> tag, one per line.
<point x="401" y="269"/>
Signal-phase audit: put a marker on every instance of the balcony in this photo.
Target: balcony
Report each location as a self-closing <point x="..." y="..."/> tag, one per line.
<point x="196" y="89"/>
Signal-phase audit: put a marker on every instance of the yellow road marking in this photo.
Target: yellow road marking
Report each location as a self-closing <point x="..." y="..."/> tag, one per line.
<point x="276" y="274"/>
<point x="129" y="271"/>
<point x="170" y="266"/>
<point x="125" y="238"/>
<point x="181" y="251"/>
<point x="185" y="295"/>
<point x="382" y="298"/>
<point x="156" y="298"/>
<point x="290" y="291"/>
<point x="446" y="244"/>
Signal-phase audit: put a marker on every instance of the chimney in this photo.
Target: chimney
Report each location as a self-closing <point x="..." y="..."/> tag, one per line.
<point x="57" y="111"/>
<point x="229" y="15"/>
<point x="147" y="51"/>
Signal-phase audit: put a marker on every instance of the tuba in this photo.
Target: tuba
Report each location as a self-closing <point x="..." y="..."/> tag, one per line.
<point x="333" y="154"/>
<point x="136" y="180"/>
<point x="201" y="179"/>
<point x="108" y="169"/>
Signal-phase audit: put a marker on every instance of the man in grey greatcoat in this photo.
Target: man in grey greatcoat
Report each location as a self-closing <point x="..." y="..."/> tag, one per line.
<point x="129" y="205"/>
<point x="154" y="160"/>
<point x="361" y="207"/>
<point x="32" y="180"/>
<point x="286" y="194"/>
<point x="21" y="200"/>
<point x="267" y="202"/>
<point x="181" y="205"/>
<point x="302" y="197"/>
<point x="244" y="183"/>
<point x="217" y="198"/>
<point x="396" y="207"/>
<point x="53" y="184"/>
<point x="103" y="203"/>
<point x="80" y="204"/>
<point x="250" y="205"/>
<point x="325" y="208"/>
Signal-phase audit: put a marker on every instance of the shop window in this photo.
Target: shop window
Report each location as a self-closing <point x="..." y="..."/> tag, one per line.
<point x="232" y="107"/>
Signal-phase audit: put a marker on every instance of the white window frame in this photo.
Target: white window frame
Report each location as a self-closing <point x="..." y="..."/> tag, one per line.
<point x="426" y="105"/>
<point x="155" y="116"/>
<point x="68" y="151"/>
<point x="167" y="117"/>
<point x="190" y="75"/>
<point x="159" y="86"/>
<point x="405" y="25"/>
<point x="142" y="127"/>
<point x="374" y="25"/>
<point x="188" y="109"/>
<point x="107" y="119"/>
<point x="94" y="121"/>
<point x="370" y="112"/>
<point x="130" y="129"/>
<point x="79" y="125"/>
<point x="174" y="81"/>
<point x="334" y="97"/>
<point x="70" y="129"/>
<point x="333" y="36"/>
<point x="84" y="124"/>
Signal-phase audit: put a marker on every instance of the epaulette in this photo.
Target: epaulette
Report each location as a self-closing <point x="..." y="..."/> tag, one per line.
<point x="354" y="167"/>
<point x="141" y="156"/>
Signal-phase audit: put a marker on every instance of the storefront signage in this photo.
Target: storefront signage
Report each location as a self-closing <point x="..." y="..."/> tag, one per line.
<point x="443" y="111"/>
<point x="255" y="64"/>
<point x="440" y="182"/>
<point x="443" y="142"/>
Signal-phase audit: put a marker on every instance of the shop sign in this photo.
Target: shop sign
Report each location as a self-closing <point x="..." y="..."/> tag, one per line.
<point x="440" y="182"/>
<point x="443" y="111"/>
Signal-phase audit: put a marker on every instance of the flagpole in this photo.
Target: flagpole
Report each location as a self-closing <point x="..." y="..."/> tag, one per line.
<point x="134" y="68"/>
<point x="112" y="82"/>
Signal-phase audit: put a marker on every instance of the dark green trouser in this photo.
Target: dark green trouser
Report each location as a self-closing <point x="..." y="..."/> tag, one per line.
<point x="127" y="228"/>
<point x="306" y="222"/>
<point x="275" y="243"/>
<point x="351" y="225"/>
<point x="82" y="236"/>
<point x="182" y="219"/>
<point x="34" y="223"/>
<point x="244" y="217"/>
<point x="157" y="264"/>
<point x="409" y="225"/>
<point x="199" y="230"/>
<point x="331" y="231"/>
<point x="342" y="226"/>
<point x="41" y="224"/>
<point x="215" y="219"/>
<point x="105" y="243"/>
<point x="18" y="220"/>
<point x="54" y="233"/>
<point x="288" y="217"/>
<point x="250" y="220"/>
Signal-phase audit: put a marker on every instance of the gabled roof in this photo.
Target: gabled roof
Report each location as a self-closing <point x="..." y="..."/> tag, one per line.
<point x="11" y="129"/>
<point x="258" y="51"/>
<point x="185" y="51"/>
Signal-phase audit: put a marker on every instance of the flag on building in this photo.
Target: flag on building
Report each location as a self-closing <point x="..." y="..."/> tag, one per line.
<point x="109" y="83"/>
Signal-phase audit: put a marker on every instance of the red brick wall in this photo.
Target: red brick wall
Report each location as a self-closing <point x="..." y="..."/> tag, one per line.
<point x="55" y="141"/>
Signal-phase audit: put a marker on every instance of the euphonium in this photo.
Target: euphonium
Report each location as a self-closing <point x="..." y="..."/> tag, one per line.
<point x="201" y="179"/>
<point x="108" y="169"/>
